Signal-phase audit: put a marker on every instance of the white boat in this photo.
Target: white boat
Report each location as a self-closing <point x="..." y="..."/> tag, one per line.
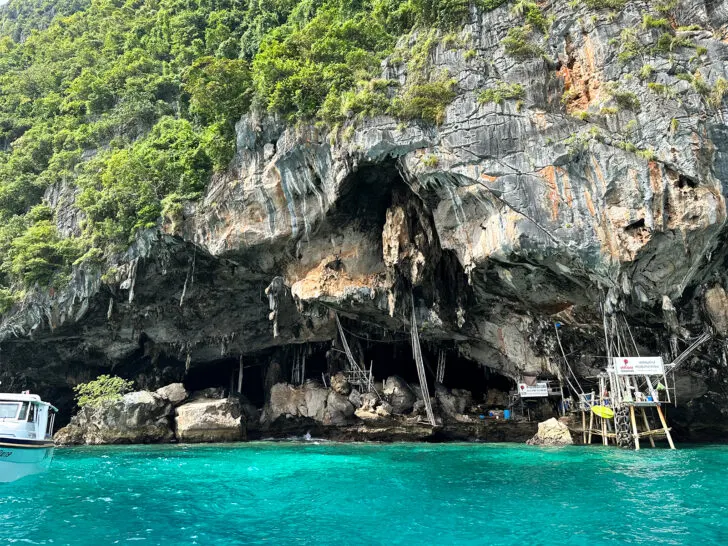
<point x="26" y="435"/>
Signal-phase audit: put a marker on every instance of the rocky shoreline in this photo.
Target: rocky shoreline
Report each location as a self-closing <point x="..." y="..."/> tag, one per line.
<point x="394" y="411"/>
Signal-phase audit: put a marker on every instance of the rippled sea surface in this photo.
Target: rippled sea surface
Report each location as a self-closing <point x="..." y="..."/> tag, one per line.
<point x="310" y="493"/>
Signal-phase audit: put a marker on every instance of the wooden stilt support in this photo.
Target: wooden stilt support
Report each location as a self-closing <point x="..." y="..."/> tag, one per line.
<point x="664" y="425"/>
<point x="583" y="426"/>
<point x="647" y="427"/>
<point x="591" y="425"/>
<point x="634" y="429"/>
<point x="604" y="431"/>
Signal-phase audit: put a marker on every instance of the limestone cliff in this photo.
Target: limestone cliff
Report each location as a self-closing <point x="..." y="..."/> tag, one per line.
<point x="602" y="186"/>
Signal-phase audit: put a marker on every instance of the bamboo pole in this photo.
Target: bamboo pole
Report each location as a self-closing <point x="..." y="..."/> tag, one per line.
<point x="664" y="425"/>
<point x="240" y="375"/>
<point x="647" y="426"/>
<point x="591" y="416"/>
<point x="602" y="386"/>
<point x="634" y="428"/>
<point x="583" y="426"/>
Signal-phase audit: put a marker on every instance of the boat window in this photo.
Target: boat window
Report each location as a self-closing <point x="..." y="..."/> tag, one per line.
<point x="8" y="410"/>
<point x="23" y="411"/>
<point x="49" y="424"/>
<point x="32" y="413"/>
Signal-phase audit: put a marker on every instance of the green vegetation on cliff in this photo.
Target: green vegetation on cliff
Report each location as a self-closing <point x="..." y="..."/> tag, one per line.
<point x="102" y="389"/>
<point x="130" y="106"/>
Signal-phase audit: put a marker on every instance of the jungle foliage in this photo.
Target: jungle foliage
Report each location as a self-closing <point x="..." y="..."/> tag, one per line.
<point x="133" y="103"/>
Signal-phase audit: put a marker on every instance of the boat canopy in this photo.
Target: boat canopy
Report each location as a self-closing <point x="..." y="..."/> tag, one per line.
<point x="33" y="398"/>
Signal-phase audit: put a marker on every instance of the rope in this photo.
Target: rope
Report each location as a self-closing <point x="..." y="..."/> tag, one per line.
<point x="682" y="358"/>
<point x="440" y="376"/>
<point x="580" y="390"/>
<point x="417" y="353"/>
<point x="347" y="350"/>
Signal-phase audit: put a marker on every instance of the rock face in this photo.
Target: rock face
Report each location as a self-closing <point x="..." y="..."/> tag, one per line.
<point x="552" y="433"/>
<point x="716" y="305"/>
<point x="175" y="393"/>
<point x="340" y="384"/>
<point x="311" y="401"/>
<point x="397" y="392"/>
<point x="137" y="418"/>
<point x="209" y="420"/>
<point x="453" y="402"/>
<point x="602" y="187"/>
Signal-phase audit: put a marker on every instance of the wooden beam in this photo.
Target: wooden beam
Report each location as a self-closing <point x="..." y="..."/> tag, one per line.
<point x="634" y="429"/>
<point x="647" y="426"/>
<point x="583" y="427"/>
<point x="664" y="425"/>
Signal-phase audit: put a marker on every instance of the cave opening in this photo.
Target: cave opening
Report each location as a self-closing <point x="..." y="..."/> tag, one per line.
<point x="150" y="365"/>
<point x="212" y="374"/>
<point x="390" y="355"/>
<point x="367" y="194"/>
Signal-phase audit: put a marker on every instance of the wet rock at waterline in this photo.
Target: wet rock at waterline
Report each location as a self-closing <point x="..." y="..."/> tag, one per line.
<point x="209" y="420"/>
<point x="552" y="433"/>
<point x="137" y="418"/>
<point x="310" y="400"/>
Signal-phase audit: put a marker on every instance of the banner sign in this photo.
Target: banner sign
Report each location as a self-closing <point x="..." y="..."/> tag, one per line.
<point x="539" y="390"/>
<point x="638" y="365"/>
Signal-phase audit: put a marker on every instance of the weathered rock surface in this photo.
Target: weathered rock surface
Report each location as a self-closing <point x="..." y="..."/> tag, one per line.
<point x="552" y="433"/>
<point x="338" y="409"/>
<point x="174" y="392"/>
<point x="340" y="384"/>
<point x="505" y="218"/>
<point x="310" y="400"/>
<point x="397" y="392"/>
<point x="453" y="402"/>
<point x="209" y="420"/>
<point x="137" y="418"/>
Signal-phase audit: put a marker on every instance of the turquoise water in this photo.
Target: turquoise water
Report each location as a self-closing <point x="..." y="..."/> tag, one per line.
<point x="307" y="493"/>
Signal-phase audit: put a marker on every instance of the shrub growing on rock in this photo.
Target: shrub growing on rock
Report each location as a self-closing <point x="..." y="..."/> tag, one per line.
<point x="103" y="388"/>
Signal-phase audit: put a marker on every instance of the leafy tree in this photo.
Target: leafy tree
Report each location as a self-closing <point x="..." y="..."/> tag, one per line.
<point x="104" y="388"/>
<point x="219" y="89"/>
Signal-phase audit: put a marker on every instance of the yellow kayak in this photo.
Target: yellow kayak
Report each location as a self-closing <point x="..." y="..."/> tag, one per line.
<point x="603" y="412"/>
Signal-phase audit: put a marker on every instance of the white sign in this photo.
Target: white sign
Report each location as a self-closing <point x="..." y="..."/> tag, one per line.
<point x="539" y="390"/>
<point x="638" y="365"/>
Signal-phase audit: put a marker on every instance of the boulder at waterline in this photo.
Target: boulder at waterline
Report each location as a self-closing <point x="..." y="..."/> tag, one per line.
<point x="136" y="418"/>
<point x="210" y="420"/>
<point x="552" y="432"/>
<point x="310" y="400"/>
